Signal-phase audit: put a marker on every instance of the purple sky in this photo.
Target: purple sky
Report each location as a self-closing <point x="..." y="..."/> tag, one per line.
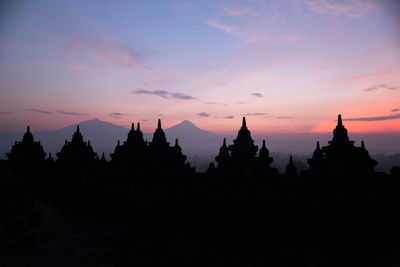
<point x="288" y="66"/>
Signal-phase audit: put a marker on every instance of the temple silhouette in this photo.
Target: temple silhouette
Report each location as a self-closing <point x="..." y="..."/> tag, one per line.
<point x="155" y="156"/>
<point x="148" y="207"/>
<point x="341" y="156"/>
<point x="26" y="153"/>
<point x="77" y="151"/>
<point x="241" y="157"/>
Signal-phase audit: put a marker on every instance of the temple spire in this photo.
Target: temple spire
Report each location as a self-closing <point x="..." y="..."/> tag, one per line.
<point x="223" y="157"/>
<point x="159" y="136"/>
<point x="362" y="145"/>
<point x="176" y="142"/>
<point x="244" y="122"/>
<point x="318" y="147"/>
<point x="28" y="137"/>
<point x="339" y="120"/>
<point x="263" y="145"/>
<point x="138" y="127"/>
<point x="291" y="170"/>
<point x="133" y="126"/>
<point x="77" y="128"/>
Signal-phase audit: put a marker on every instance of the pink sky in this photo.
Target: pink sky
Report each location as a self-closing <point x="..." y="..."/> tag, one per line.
<point x="288" y="67"/>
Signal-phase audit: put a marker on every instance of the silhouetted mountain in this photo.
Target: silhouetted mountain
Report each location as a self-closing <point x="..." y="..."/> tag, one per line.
<point x="187" y="128"/>
<point x="200" y="145"/>
<point x="102" y="135"/>
<point x="190" y="136"/>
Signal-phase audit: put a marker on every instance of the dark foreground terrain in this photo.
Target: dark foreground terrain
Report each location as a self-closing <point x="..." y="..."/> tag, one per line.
<point x="200" y="220"/>
<point x="148" y="206"/>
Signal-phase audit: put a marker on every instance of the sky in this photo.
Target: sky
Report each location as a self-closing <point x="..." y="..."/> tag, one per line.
<point x="288" y="66"/>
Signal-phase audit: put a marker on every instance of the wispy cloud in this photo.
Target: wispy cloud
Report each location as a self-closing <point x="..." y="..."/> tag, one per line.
<point x="284" y="117"/>
<point x="164" y="94"/>
<point x="255" y="114"/>
<point x="215" y="103"/>
<point x="395" y="110"/>
<point x="117" y="115"/>
<point x="380" y="118"/>
<point x="381" y="86"/>
<point x="181" y="96"/>
<point x="203" y="114"/>
<point x="229" y="117"/>
<point x="5" y="113"/>
<point x="70" y="113"/>
<point x="111" y="52"/>
<point x="220" y="26"/>
<point x="351" y="9"/>
<point x="257" y="95"/>
<point x="161" y="93"/>
<point x="40" y="111"/>
<point x="371" y="75"/>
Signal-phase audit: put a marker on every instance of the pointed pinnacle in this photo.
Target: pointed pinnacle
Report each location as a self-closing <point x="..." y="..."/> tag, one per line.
<point x="318" y="145"/>
<point x="159" y="124"/>
<point x="339" y="120"/>
<point x="28" y="129"/>
<point x="224" y="142"/>
<point x="77" y="128"/>
<point x="133" y="126"/>
<point x="138" y="127"/>
<point x="176" y="142"/>
<point x="263" y="145"/>
<point x="244" y="122"/>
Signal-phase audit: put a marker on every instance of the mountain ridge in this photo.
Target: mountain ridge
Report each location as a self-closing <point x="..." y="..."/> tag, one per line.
<point x="201" y="146"/>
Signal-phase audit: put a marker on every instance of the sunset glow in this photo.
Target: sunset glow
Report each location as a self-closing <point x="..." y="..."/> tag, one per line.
<point x="288" y="66"/>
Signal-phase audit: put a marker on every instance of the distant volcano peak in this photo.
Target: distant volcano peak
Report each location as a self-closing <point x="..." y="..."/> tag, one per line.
<point x="187" y="123"/>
